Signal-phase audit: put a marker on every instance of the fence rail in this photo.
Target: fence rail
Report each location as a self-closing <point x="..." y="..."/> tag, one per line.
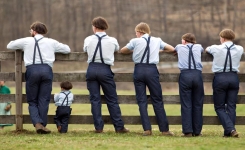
<point x="18" y="77"/>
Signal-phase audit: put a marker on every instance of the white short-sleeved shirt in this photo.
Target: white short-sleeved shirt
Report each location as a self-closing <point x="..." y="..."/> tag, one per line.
<point x="138" y="46"/>
<point x="183" y="56"/>
<point x="219" y="53"/>
<point x="47" y="47"/>
<point x="109" y="46"/>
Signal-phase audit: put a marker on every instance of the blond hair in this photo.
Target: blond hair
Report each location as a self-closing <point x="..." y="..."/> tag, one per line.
<point x="143" y="28"/>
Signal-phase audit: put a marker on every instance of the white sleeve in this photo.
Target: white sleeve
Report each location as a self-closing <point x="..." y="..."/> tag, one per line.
<point x="17" y="44"/>
<point x="61" y="48"/>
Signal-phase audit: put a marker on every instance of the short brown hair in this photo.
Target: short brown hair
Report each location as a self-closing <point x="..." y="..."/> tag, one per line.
<point x="39" y="27"/>
<point x="143" y="28"/>
<point x="100" y="23"/>
<point x="66" y="85"/>
<point x="227" y="34"/>
<point x="189" y="37"/>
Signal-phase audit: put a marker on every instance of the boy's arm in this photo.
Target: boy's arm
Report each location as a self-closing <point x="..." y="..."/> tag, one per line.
<point x="168" y="48"/>
<point x="125" y="50"/>
<point x="56" y="97"/>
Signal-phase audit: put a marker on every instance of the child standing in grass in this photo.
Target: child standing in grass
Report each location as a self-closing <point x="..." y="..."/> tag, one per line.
<point x="63" y="100"/>
<point x="226" y="62"/>
<point x="4" y="107"/>
<point x="190" y="85"/>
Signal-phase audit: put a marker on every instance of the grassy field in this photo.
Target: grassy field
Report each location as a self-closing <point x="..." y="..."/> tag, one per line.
<point x="82" y="136"/>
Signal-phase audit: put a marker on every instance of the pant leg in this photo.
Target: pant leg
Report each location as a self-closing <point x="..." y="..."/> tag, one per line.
<point x="65" y="119"/>
<point x="197" y="103"/>
<point x="140" y="90"/>
<point x="109" y="88"/>
<point x="185" y="91"/>
<point x="44" y="95"/>
<point x="94" y="96"/>
<point x="57" y="118"/>
<point x="220" y="86"/>
<point x="155" y="89"/>
<point x="231" y="98"/>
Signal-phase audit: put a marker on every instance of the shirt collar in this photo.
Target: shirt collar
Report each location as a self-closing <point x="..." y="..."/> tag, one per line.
<point x="38" y="36"/>
<point x="145" y="35"/>
<point x="228" y="43"/>
<point x="100" y="33"/>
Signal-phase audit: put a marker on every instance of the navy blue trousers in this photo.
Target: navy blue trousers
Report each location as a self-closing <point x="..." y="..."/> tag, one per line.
<point x="99" y="74"/>
<point x="62" y="117"/>
<point x="148" y="75"/>
<point x="38" y="91"/>
<point x="225" y="90"/>
<point x="191" y="98"/>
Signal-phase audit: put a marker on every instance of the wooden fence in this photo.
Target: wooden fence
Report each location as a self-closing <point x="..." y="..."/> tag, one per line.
<point x="18" y="77"/>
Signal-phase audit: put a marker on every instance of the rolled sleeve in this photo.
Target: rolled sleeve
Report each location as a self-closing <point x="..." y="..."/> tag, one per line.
<point x="131" y="45"/>
<point x="162" y="44"/>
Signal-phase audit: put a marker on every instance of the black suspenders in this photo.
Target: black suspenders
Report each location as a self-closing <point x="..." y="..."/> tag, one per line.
<point x="191" y="56"/>
<point x="65" y="98"/>
<point x="34" y="54"/>
<point x="147" y="49"/>
<point x="98" y="47"/>
<point x="226" y="59"/>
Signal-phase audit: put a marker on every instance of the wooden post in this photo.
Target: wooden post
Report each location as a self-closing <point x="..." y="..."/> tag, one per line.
<point x="18" y="91"/>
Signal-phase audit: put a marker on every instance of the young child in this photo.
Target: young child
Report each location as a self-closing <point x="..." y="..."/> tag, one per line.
<point x="226" y="61"/>
<point x="145" y="49"/>
<point x="190" y="85"/>
<point x="4" y="107"/>
<point x="63" y="100"/>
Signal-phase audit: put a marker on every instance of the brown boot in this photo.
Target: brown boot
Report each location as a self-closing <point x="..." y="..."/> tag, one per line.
<point x="124" y="130"/>
<point x="168" y="133"/>
<point x="147" y="133"/>
<point x="59" y="128"/>
<point x="41" y="129"/>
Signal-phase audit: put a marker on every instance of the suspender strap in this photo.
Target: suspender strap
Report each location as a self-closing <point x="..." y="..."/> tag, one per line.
<point x="34" y="54"/>
<point x="191" y="56"/>
<point x="147" y="49"/>
<point x="98" y="47"/>
<point x="66" y="98"/>
<point x="228" y="54"/>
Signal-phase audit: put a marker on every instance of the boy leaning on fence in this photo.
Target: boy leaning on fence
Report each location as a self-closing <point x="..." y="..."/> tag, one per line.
<point x="39" y="56"/>
<point x="145" y="49"/>
<point x="190" y="85"/>
<point x="226" y="61"/>
<point x="63" y="101"/>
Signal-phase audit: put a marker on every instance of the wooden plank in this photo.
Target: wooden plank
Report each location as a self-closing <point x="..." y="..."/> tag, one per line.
<point x="7" y="76"/>
<point x="81" y="56"/>
<point x="122" y="99"/>
<point x="18" y="90"/>
<point x="7" y="55"/>
<point x="119" y="77"/>
<point x="133" y="120"/>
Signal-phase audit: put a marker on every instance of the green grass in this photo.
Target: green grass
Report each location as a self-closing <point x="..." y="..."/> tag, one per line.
<point x="82" y="136"/>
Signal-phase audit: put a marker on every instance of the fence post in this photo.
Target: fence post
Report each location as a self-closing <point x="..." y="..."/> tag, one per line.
<point x="18" y="91"/>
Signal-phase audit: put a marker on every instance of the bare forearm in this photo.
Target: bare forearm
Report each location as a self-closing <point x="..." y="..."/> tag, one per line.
<point x="125" y="50"/>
